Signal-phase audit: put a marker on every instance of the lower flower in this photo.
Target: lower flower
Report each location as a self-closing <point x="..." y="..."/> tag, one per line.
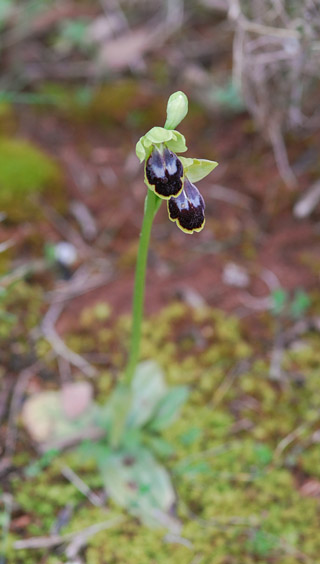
<point x="187" y="209"/>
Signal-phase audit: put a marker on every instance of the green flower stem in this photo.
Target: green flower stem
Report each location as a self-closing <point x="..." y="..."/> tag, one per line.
<point x="152" y="204"/>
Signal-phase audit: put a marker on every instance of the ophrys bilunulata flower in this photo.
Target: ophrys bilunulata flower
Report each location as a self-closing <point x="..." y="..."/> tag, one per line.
<point x="171" y="177"/>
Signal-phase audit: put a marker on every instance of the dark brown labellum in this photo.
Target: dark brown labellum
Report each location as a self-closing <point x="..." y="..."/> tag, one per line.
<point x="187" y="209"/>
<point x="164" y="172"/>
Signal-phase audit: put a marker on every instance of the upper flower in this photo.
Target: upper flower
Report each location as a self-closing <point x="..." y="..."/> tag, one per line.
<point x="172" y="177"/>
<point x="164" y="173"/>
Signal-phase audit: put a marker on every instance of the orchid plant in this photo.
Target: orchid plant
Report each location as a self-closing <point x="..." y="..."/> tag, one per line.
<point x="141" y="405"/>
<point x="142" y="401"/>
<point x="167" y="177"/>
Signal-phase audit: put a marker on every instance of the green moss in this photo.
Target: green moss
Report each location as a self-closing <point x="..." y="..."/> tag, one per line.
<point x="25" y="171"/>
<point x="7" y="118"/>
<point x="24" y="302"/>
<point x="237" y="501"/>
<point x="309" y="460"/>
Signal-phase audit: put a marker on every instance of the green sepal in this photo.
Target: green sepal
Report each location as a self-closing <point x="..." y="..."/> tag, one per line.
<point x="174" y="140"/>
<point x="177" y="109"/>
<point x="159" y="135"/>
<point x="141" y="149"/>
<point x="196" y="169"/>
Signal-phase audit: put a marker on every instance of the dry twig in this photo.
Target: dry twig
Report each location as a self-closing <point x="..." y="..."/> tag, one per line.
<point x="275" y="65"/>
<point x="58" y="345"/>
<point x="77" y="539"/>
<point x="70" y="475"/>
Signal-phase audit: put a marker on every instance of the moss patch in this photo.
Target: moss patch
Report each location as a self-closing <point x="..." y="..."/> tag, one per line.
<point x="237" y="498"/>
<point x="7" y="118"/>
<point x="25" y="172"/>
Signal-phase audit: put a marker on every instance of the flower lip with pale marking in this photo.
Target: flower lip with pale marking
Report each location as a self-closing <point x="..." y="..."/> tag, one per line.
<point x="187" y="209"/>
<point x="164" y="173"/>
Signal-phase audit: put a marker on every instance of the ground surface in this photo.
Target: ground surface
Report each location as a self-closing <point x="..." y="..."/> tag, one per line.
<point x="246" y="450"/>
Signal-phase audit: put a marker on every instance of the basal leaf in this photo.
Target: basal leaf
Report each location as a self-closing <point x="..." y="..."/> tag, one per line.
<point x="148" y="388"/>
<point x="159" y="446"/>
<point x="169" y="407"/>
<point x="135" y="480"/>
<point x="117" y="409"/>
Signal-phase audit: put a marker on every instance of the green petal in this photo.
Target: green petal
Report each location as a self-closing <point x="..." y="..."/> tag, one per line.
<point x="156" y="136"/>
<point x="178" y="143"/>
<point x="177" y="109"/>
<point x="159" y="135"/>
<point x="196" y="169"/>
<point x="174" y="140"/>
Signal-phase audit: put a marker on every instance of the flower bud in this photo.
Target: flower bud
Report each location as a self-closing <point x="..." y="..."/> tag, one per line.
<point x="177" y="109"/>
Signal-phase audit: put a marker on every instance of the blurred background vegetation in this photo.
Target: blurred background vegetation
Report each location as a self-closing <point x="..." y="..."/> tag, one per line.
<point x="80" y="82"/>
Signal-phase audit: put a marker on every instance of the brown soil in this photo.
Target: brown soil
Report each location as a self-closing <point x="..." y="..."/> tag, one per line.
<point x="255" y="229"/>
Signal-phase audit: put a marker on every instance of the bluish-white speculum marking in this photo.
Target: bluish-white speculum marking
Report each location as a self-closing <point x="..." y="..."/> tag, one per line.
<point x="171" y="165"/>
<point x="157" y="164"/>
